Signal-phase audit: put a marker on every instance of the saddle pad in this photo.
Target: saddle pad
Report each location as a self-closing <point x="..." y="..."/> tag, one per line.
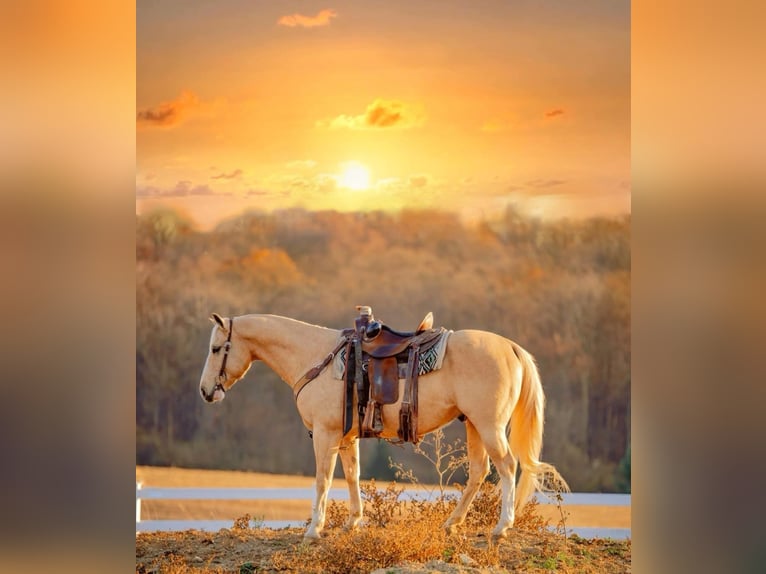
<point x="430" y="360"/>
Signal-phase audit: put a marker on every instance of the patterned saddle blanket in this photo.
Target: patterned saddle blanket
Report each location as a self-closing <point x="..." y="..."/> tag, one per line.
<point x="429" y="361"/>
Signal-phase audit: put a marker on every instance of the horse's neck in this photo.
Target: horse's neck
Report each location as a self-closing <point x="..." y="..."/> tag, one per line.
<point x="288" y="347"/>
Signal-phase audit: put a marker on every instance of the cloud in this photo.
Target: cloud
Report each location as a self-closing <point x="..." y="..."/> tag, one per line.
<point x="233" y="175"/>
<point x="167" y="114"/>
<point x="326" y="183"/>
<point x="147" y="192"/>
<point x="183" y="188"/>
<point x="299" y="182"/>
<point x="544" y="183"/>
<point x="380" y="114"/>
<point x="541" y="187"/>
<point x="322" y="18"/>
<point x="386" y="183"/>
<point x="554" y="113"/>
<point x="418" y="180"/>
<point x="384" y="114"/>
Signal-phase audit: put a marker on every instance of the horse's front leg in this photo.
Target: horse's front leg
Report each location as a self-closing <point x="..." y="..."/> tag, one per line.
<point x="349" y="456"/>
<point x="326" y="452"/>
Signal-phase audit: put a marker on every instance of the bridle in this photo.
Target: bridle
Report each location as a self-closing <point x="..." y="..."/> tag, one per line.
<point x="219" y="380"/>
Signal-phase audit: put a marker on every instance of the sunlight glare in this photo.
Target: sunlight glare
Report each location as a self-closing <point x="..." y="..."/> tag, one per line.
<point x="355" y="176"/>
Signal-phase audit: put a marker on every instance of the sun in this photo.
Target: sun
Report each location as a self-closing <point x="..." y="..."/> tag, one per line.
<point x="355" y="176"/>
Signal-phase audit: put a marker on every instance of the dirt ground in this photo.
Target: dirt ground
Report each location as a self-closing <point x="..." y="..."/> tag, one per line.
<point x="248" y="550"/>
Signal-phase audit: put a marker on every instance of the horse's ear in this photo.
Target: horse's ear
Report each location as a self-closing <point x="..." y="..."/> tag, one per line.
<point x="216" y="318"/>
<point x="426" y="323"/>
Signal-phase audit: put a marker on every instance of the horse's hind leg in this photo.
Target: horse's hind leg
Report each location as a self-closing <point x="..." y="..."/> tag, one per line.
<point x="478" y="470"/>
<point x="349" y="457"/>
<point x="326" y="454"/>
<point x="496" y="443"/>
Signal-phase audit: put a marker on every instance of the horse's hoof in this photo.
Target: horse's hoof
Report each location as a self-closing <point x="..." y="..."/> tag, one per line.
<point x="498" y="536"/>
<point x="311" y="537"/>
<point x="450" y="529"/>
<point x="352" y="523"/>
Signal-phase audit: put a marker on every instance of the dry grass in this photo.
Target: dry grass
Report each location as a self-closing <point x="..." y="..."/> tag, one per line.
<point x="398" y="537"/>
<point x="400" y="533"/>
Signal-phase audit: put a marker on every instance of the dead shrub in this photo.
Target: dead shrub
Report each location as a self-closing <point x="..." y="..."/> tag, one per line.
<point x="397" y="532"/>
<point x="380" y="506"/>
<point x="530" y="520"/>
<point x="336" y="514"/>
<point x="484" y="511"/>
<point x="242" y="522"/>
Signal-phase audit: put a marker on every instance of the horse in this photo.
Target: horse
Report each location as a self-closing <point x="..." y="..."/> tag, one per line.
<point x="490" y="380"/>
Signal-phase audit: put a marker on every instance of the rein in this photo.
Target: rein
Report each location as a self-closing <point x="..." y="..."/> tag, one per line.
<point x="219" y="380"/>
<point x="316" y="370"/>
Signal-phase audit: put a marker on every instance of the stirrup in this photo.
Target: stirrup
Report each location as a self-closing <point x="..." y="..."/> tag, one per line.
<point x="369" y="423"/>
<point x="377" y="421"/>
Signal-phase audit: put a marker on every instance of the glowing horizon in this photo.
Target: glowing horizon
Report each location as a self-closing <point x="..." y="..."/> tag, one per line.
<point x="266" y="108"/>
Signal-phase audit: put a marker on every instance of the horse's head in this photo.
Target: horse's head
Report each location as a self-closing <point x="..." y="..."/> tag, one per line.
<point x="228" y="360"/>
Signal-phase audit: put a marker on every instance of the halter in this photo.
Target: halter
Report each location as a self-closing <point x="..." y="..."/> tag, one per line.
<point x="219" y="380"/>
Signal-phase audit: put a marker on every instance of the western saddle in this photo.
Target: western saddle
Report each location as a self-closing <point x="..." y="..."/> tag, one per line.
<point x="377" y="357"/>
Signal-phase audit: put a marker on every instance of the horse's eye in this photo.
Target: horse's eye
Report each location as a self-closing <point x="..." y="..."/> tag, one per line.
<point x="215" y="349"/>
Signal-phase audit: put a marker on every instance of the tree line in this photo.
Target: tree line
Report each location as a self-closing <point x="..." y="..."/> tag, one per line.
<point x="559" y="288"/>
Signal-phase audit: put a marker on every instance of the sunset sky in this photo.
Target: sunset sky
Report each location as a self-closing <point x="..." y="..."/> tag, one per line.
<point x="470" y="106"/>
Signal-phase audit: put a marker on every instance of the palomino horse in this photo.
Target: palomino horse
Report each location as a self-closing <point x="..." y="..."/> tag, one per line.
<point x="487" y="378"/>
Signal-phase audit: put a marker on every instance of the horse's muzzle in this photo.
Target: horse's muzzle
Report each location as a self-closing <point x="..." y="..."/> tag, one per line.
<point x="218" y="394"/>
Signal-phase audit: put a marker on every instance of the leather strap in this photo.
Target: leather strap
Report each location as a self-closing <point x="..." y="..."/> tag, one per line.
<point x="408" y="414"/>
<point x="316" y="370"/>
<point x="348" y="394"/>
<point x="361" y="397"/>
<point x="221" y="378"/>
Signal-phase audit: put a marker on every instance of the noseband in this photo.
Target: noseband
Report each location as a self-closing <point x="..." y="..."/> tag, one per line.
<point x="219" y="380"/>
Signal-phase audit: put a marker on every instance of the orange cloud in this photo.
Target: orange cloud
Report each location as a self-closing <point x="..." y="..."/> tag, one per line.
<point x="322" y="18"/>
<point x="554" y="113"/>
<point x="379" y="114"/>
<point x="167" y="114"/>
<point x="183" y="188"/>
<point x="544" y="183"/>
<point x="418" y="180"/>
<point x="233" y="175"/>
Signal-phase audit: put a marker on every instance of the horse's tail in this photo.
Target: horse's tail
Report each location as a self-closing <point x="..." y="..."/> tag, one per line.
<point x="526" y="435"/>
